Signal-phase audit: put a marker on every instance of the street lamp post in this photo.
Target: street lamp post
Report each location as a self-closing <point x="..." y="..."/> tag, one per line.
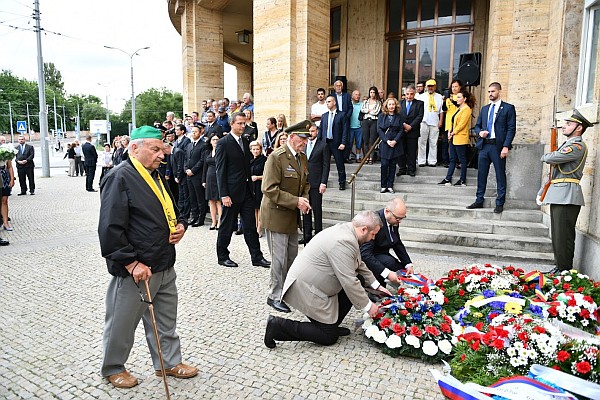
<point x="132" y="92"/>
<point x="107" y="113"/>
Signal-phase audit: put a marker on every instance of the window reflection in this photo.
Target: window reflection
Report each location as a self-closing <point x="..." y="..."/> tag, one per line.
<point x="442" y="61"/>
<point x="427" y="13"/>
<point x="409" y="67"/>
<point x="461" y="45"/>
<point x="444" y="12"/>
<point x="593" y="53"/>
<point x="463" y="11"/>
<point x="410" y="14"/>
<point x="395" y="15"/>
<point x="393" y="66"/>
<point x="425" y="58"/>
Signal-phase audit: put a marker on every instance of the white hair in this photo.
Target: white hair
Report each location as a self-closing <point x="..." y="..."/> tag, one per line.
<point x="367" y="218"/>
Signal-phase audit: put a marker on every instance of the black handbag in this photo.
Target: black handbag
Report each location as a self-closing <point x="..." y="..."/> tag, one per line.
<point x="361" y="115"/>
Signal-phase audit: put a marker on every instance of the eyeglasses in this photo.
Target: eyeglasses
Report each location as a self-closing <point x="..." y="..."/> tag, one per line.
<point x="395" y="216"/>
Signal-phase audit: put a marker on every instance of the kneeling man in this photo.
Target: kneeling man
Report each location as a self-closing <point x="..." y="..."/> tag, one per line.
<point x="323" y="284"/>
<point x="376" y="253"/>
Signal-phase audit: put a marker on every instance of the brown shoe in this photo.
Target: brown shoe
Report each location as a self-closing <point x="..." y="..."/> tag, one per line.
<point x="123" y="380"/>
<point x="181" y="371"/>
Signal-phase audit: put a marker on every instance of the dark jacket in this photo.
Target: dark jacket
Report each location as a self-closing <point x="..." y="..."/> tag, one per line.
<point x="233" y="168"/>
<point x="390" y="130"/>
<point x="178" y="157"/>
<point x="382" y="245"/>
<point x="195" y="158"/>
<point x="90" y="154"/>
<point x="132" y="223"/>
<point x="28" y="154"/>
<point x="318" y="164"/>
<point x="414" y="117"/>
<point x="505" y="125"/>
<point x="339" y="131"/>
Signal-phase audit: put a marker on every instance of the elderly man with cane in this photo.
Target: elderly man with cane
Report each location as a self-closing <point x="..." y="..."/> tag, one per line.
<point x="138" y="230"/>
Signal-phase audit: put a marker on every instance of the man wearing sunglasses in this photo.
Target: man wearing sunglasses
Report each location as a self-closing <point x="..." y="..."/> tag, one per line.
<point x="376" y="253"/>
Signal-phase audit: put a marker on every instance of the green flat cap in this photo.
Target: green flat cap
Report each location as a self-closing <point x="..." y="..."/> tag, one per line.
<point x="300" y="129"/>
<point x="146" y="132"/>
<point x="579" y="119"/>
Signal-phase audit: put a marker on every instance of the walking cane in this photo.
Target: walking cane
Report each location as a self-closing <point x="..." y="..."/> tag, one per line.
<point x="162" y="365"/>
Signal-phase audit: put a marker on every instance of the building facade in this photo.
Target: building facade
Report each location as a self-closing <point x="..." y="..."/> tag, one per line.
<point x="543" y="52"/>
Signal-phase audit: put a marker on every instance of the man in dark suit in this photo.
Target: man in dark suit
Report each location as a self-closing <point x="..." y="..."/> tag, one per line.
<point x="232" y="157"/>
<point x="25" y="165"/>
<point x="194" y="163"/>
<point x="376" y="253"/>
<point x="496" y="127"/>
<point x="212" y="128"/>
<point x="318" y="156"/>
<point x="178" y="157"/>
<point x="333" y="132"/>
<point x="412" y="112"/>
<point x="89" y="164"/>
<point x="344" y="106"/>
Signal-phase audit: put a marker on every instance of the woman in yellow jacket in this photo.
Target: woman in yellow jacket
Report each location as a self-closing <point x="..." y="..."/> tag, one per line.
<point x="458" y="137"/>
<point x="449" y="107"/>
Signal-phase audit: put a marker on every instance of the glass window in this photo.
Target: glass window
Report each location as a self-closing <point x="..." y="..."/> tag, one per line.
<point x="461" y="45"/>
<point x="442" y="61"/>
<point x="409" y="67"/>
<point x="411" y="13"/>
<point x="427" y="13"/>
<point x="425" y="58"/>
<point x="336" y="25"/>
<point x="333" y="69"/>
<point x="395" y="16"/>
<point x="592" y="55"/>
<point x="444" y="12"/>
<point x="393" y="66"/>
<point x="463" y="11"/>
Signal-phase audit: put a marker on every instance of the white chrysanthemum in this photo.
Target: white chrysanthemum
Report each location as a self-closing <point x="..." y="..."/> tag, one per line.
<point x="437" y="296"/>
<point x="568" y="278"/>
<point x="380" y="337"/>
<point x="413" y="341"/>
<point x="430" y="348"/>
<point x="583" y="276"/>
<point x="445" y="346"/>
<point x="367" y="323"/>
<point x="412" y="292"/>
<point x="454" y="340"/>
<point x="511" y="351"/>
<point x="585" y="322"/>
<point x="373" y="329"/>
<point x="393" y="342"/>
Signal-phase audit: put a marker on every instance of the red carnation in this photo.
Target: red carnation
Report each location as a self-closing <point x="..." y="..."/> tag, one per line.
<point x="596" y="284"/>
<point x="446" y="327"/>
<point x="479" y="326"/>
<point x="378" y="315"/>
<point x="562" y="356"/>
<point x="584" y="313"/>
<point x="517" y="274"/>
<point x="462" y="358"/>
<point x="447" y="319"/>
<point x="415" y="331"/>
<point x="485" y="280"/>
<point x="588" y="299"/>
<point x="403" y="313"/>
<point x="498" y="343"/>
<point x="580" y="289"/>
<point x="429" y="314"/>
<point x="445" y="300"/>
<point x="475" y="345"/>
<point x="432" y="330"/>
<point x="571" y="302"/>
<point x="566" y="286"/>
<point x="552" y="311"/>
<point x="583" y="367"/>
<point x="425" y="289"/>
<point x="539" y="329"/>
<point x="556" y="367"/>
<point x="461" y="292"/>
<point x="461" y="279"/>
<point x="555" y="281"/>
<point x="399" y="329"/>
<point x="408" y="304"/>
<point x="385" y="323"/>
<point x="523" y="336"/>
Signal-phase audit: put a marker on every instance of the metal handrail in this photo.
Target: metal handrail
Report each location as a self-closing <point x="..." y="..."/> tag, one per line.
<point x="352" y="180"/>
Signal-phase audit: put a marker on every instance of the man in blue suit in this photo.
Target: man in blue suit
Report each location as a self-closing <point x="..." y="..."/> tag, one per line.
<point x="344" y="106"/>
<point x="496" y="126"/>
<point x="333" y="132"/>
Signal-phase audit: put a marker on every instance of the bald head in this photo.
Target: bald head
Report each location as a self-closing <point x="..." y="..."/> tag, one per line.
<point x="395" y="211"/>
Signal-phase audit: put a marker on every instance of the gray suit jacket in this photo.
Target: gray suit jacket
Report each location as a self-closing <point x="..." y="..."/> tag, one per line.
<point x="329" y="263"/>
<point x="568" y="162"/>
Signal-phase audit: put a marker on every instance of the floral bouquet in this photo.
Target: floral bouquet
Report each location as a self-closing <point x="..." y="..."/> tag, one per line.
<point x="576" y="310"/>
<point x="7" y="154"/>
<point x="508" y="346"/>
<point x="413" y="323"/>
<point x="579" y="358"/>
<point x="461" y="285"/>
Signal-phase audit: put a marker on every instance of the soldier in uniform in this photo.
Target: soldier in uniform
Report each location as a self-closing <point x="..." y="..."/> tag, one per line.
<point x="285" y="195"/>
<point x="564" y="194"/>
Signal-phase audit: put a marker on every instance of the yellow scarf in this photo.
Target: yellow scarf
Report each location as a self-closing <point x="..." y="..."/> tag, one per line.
<point x="164" y="198"/>
<point x="431" y="105"/>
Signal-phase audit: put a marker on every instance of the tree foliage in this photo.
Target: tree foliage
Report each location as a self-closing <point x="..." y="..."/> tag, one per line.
<point x="153" y="105"/>
<point x="53" y="78"/>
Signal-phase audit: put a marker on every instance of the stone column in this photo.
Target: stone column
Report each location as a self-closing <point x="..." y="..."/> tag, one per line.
<point x="291" y="44"/>
<point x="202" y="55"/>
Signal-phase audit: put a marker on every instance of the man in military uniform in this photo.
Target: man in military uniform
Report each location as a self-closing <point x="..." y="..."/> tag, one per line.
<point x="285" y="188"/>
<point x="564" y="194"/>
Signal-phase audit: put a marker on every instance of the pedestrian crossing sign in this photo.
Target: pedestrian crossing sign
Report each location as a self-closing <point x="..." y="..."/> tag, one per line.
<point x="21" y="126"/>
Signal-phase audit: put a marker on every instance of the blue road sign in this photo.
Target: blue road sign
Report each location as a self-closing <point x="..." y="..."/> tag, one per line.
<point x="21" y="126"/>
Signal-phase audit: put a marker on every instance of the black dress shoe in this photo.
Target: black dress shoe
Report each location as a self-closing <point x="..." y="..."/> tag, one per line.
<point x="305" y="240"/>
<point x="341" y="331"/>
<point x="4" y="242"/>
<point x="261" y="263"/>
<point x="239" y="232"/>
<point x="270" y="332"/>
<point x="193" y="221"/>
<point x="474" y="205"/>
<point x="279" y="306"/>
<point x="499" y="209"/>
<point x="31" y="193"/>
<point x="21" y="194"/>
<point x="342" y="186"/>
<point x="198" y="223"/>
<point x="412" y="174"/>
<point x="228" y="263"/>
<point x="89" y="190"/>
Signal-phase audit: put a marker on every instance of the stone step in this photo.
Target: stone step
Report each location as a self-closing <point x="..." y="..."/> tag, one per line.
<point x="421" y="171"/>
<point x="453" y="212"/>
<point x="374" y="181"/>
<point x="489" y="254"/>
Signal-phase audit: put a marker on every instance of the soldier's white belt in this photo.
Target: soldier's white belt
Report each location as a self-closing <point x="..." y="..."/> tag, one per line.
<point x="565" y="180"/>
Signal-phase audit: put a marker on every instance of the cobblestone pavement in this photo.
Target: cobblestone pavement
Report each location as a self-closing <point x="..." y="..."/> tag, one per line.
<point x="52" y="288"/>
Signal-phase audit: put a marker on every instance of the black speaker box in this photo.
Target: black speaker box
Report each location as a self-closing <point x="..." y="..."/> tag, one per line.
<point x="469" y="70"/>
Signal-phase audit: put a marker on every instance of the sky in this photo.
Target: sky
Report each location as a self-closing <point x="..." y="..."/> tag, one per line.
<point x="86" y="26"/>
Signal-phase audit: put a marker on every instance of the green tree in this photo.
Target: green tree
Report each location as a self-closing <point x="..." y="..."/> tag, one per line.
<point x="53" y="78"/>
<point x="20" y="93"/>
<point x="152" y="105"/>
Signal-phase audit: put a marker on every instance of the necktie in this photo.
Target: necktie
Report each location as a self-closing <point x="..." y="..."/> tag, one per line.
<point x="195" y="144"/>
<point x="241" y="144"/>
<point x="408" y="107"/>
<point x="298" y="159"/>
<point x="490" y="121"/>
<point x="309" y="148"/>
<point x="394" y="234"/>
<point x="329" y="126"/>
<point x="22" y="149"/>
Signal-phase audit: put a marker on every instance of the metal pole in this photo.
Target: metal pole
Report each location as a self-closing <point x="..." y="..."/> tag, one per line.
<point x="28" y="121"/>
<point x="12" y="133"/>
<point x="55" y="114"/>
<point x="77" y="126"/>
<point x="132" y="96"/>
<point x="353" y="196"/>
<point x="64" y="123"/>
<point x="42" y="94"/>
<point x="107" y="119"/>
